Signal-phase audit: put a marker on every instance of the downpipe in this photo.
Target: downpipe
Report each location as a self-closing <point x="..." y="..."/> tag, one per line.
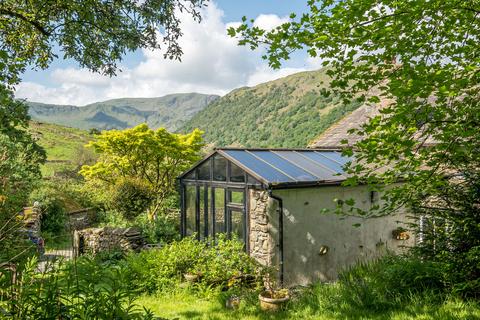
<point x="280" y="234"/>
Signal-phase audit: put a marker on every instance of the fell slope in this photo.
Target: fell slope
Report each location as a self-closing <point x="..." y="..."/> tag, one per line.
<point x="169" y="111"/>
<point x="288" y="112"/>
<point x="64" y="146"/>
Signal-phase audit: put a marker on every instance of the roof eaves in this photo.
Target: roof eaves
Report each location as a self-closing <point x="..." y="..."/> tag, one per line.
<point x="303" y="184"/>
<point x="328" y="148"/>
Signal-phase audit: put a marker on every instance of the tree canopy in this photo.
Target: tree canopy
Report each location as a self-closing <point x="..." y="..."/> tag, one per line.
<point x="154" y="157"/>
<point x="94" y="33"/>
<point x="418" y="62"/>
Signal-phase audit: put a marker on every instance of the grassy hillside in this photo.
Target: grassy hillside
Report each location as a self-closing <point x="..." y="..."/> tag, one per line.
<point x="288" y="112"/>
<point x="64" y="146"/>
<point x="170" y="111"/>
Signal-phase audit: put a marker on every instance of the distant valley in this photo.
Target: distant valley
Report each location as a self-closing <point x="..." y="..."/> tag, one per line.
<point x="170" y="111"/>
<point x="287" y="112"/>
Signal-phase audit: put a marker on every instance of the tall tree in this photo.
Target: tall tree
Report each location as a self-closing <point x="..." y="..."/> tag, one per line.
<point x="420" y="59"/>
<point x="154" y="157"/>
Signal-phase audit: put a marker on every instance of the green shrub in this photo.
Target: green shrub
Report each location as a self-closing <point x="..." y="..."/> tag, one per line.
<point x="160" y="269"/>
<point x="224" y="265"/>
<point x="385" y="282"/>
<point x="131" y="197"/>
<point x="112" y="218"/>
<point x="164" y="229"/>
<point x="53" y="208"/>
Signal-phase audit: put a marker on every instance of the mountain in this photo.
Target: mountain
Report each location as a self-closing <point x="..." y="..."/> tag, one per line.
<point x="287" y="112"/>
<point x="170" y="111"/>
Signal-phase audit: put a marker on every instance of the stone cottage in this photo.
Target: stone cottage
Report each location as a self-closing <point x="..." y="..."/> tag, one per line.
<point x="281" y="203"/>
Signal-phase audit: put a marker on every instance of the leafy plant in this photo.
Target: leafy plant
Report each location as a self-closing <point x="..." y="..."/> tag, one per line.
<point x="389" y="280"/>
<point x="71" y="290"/>
<point x="164" y="229"/>
<point x="20" y="159"/>
<point x="223" y="265"/>
<point x="131" y="197"/>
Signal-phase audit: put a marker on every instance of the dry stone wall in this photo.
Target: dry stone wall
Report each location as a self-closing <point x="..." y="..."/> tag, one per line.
<point x="261" y="242"/>
<point x="95" y="240"/>
<point x="80" y="219"/>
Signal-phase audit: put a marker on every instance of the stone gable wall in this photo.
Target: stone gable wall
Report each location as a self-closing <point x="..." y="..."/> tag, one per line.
<point x="261" y="243"/>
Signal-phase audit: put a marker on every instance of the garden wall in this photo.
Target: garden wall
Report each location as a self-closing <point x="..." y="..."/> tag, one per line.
<point x="95" y="240"/>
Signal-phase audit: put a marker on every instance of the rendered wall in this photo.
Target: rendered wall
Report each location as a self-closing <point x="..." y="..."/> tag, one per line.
<point x="308" y="230"/>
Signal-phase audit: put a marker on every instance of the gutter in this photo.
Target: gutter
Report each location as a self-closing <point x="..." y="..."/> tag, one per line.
<point x="280" y="234"/>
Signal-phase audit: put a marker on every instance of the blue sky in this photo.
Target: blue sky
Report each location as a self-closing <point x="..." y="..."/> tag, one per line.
<point x="212" y="62"/>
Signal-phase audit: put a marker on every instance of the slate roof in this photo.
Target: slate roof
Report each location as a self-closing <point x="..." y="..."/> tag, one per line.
<point x="333" y="136"/>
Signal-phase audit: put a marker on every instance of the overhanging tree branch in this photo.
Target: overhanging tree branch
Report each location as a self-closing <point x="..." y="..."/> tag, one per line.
<point x="34" y="23"/>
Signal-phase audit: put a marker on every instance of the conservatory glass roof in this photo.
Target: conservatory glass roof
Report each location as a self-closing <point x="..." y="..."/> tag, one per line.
<point x="288" y="166"/>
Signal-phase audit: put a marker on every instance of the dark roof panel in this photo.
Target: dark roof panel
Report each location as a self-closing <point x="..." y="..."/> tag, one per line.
<point x="290" y="166"/>
<point x="307" y="164"/>
<point x="324" y="161"/>
<point x="260" y="168"/>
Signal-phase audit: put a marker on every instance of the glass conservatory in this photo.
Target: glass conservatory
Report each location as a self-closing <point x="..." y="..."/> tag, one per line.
<point x="215" y="191"/>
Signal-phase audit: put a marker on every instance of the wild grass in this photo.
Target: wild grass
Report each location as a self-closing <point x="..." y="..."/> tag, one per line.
<point x="321" y="301"/>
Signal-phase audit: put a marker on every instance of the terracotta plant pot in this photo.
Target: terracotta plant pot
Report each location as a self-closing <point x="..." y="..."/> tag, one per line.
<point x="275" y="303"/>
<point x="191" y="277"/>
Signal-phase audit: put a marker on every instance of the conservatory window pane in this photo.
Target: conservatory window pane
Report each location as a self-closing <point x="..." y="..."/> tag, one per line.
<point x="219" y="210"/>
<point x="235" y="196"/>
<point x="204" y="171"/>
<point x="237" y="224"/>
<point x="191" y="175"/>
<point x="285" y="166"/>
<point x="190" y="210"/>
<point x="261" y="168"/>
<point x="252" y="180"/>
<point x="209" y="210"/>
<point x="203" y="201"/>
<point x="236" y="173"/>
<point x="219" y="168"/>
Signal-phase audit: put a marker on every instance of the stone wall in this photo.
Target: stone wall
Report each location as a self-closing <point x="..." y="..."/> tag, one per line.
<point x="32" y="219"/>
<point x="261" y="243"/>
<point x="95" y="240"/>
<point x="80" y="219"/>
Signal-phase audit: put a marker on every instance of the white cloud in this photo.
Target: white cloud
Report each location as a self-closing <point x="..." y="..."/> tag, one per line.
<point x="269" y="21"/>
<point x="264" y="74"/>
<point x="212" y="63"/>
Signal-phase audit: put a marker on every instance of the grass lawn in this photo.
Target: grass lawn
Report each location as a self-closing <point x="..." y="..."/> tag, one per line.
<point x="321" y="302"/>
